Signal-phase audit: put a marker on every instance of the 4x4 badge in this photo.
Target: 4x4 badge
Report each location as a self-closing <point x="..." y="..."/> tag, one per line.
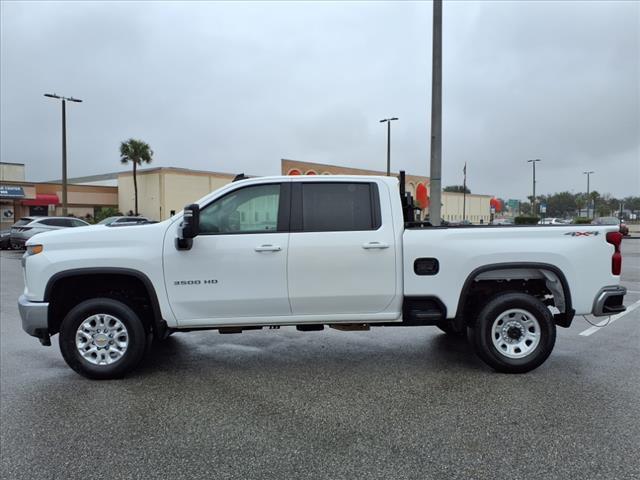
<point x="581" y="234"/>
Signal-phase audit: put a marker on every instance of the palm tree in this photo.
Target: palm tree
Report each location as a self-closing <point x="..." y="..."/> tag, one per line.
<point x="136" y="152"/>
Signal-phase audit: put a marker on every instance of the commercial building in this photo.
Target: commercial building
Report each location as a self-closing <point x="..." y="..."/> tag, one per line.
<point x="164" y="191"/>
<point x="476" y="207"/>
<point x="19" y="198"/>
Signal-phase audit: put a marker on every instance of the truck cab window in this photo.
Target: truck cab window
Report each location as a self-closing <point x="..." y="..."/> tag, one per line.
<point x="246" y="210"/>
<point x="335" y="207"/>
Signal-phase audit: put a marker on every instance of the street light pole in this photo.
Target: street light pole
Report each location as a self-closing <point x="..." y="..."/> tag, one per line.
<point x="435" y="169"/>
<point x="388" y="122"/>
<point x="64" y="158"/>
<point x="533" y="199"/>
<point x="64" y="146"/>
<point x="588" y="174"/>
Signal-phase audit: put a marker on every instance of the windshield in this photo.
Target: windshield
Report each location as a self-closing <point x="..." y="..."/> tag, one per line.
<point x="107" y="221"/>
<point x="23" y="221"/>
<point x="608" y="221"/>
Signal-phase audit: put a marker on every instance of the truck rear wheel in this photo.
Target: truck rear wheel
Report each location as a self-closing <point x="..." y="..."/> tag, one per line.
<point x="514" y="333"/>
<point x="102" y="338"/>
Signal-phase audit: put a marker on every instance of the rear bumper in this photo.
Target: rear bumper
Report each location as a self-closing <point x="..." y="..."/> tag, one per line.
<point x="34" y="317"/>
<point x="609" y="301"/>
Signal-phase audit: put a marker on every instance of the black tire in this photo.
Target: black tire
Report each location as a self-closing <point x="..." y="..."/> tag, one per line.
<point x="481" y="334"/>
<point x="137" y="338"/>
<point x="449" y="327"/>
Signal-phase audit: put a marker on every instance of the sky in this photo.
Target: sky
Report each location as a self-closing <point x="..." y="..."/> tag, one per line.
<point x="236" y="86"/>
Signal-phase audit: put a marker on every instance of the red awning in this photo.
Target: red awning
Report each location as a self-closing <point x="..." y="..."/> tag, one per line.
<point x="42" y="199"/>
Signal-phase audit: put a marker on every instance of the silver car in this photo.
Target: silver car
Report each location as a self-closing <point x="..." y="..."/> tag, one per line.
<point x="27" y="227"/>
<point x="125" y="220"/>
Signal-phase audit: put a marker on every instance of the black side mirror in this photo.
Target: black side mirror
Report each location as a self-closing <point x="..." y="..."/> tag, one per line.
<point x="191" y="221"/>
<point x="190" y="227"/>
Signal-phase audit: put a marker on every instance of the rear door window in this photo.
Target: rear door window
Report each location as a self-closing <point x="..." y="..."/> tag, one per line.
<point x="339" y="207"/>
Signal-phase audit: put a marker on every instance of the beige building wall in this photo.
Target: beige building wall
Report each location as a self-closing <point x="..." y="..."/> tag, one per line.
<point x="182" y="189"/>
<point x="165" y="190"/>
<point x="148" y="194"/>
<point x="477" y="207"/>
<point x="13" y="172"/>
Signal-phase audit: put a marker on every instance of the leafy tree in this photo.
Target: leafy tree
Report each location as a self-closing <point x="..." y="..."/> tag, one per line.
<point x="561" y="204"/>
<point x="136" y="152"/>
<point x="457" y="189"/>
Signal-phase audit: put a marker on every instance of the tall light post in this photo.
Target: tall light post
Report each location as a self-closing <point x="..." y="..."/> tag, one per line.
<point x="64" y="145"/>
<point x="435" y="168"/>
<point x="533" y="199"/>
<point x="588" y="174"/>
<point x="388" y="122"/>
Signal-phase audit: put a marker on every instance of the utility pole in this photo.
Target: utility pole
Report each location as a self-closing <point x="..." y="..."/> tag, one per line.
<point x="464" y="192"/>
<point x="435" y="174"/>
<point x="64" y="146"/>
<point x="588" y="174"/>
<point x="388" y="122"/>
<point x="533" y="199"/>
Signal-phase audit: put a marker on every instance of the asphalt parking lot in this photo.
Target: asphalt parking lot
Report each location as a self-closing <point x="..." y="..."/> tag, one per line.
<point x="390" y="403"/>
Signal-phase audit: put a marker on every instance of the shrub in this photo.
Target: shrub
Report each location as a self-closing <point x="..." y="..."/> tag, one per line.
<point x="581" y="220"/>
<point x="104" y="212"/>
<point x="526" y="220"/>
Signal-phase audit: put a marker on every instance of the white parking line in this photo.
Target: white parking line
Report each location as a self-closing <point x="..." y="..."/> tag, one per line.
<point x="610" y="320"/>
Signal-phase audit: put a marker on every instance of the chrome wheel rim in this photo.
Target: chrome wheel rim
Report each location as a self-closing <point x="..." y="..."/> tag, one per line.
<point x="515" y="333"/>
<point x="102" y="339"/>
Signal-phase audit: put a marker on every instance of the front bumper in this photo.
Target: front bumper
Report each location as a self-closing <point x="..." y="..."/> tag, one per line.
<point x="609" y="301"/>
<point x="34" y="318"/>
<point x="18" y="242"/>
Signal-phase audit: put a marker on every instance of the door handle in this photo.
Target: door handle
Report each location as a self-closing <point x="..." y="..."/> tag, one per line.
<point x="372" y="245"/>
<point x="268" y="248"/>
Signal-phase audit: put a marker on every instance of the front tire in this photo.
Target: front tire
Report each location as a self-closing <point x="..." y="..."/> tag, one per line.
<point x="102" y="338"/>
<point x="514" y="333"/>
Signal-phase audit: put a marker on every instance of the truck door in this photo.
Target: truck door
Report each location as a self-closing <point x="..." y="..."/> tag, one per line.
<point x="342" y="257"/>
<point x="237" y="264"/>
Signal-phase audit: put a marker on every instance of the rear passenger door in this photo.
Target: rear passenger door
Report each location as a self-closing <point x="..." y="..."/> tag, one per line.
<point x="341" y="254"/>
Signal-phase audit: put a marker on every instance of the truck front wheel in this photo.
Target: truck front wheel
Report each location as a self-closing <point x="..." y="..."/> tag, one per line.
<point x="514" y="333"/>
<point x="102" y="338"/>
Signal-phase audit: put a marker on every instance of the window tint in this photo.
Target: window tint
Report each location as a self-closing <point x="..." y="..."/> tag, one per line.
<point x="77" y="223"/>
<point x="252" y="209"/>
<point x="53" y="222"/>
<point x="337" y="207"/>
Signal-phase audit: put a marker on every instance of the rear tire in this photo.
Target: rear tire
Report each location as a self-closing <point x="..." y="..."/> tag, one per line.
<point x="102" y="338"/>
<point x="514" y="333"/>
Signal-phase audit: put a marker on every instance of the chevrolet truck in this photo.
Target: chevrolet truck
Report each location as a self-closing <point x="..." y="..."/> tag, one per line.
<point x="313" y="252"/>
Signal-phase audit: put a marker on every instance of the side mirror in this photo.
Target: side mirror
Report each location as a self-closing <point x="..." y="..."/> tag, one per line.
<point x="190" y="227"/>
<point x="191" y="221"/>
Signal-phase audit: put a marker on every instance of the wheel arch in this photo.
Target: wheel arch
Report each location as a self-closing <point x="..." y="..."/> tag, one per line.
<point x="156" y="321"/>
<point x="555" y="280"/>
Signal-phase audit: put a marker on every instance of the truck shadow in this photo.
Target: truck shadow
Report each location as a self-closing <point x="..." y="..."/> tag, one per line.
<point x="208" y="351"/>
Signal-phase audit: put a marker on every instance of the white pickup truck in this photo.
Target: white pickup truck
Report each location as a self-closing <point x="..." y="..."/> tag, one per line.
<point x="336" y="251"/>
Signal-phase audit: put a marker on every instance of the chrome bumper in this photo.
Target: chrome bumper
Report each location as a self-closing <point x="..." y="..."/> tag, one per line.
<point x="609" y="301"/>
<point x="34" y="317"/>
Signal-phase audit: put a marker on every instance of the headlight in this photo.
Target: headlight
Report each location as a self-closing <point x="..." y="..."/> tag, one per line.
<point x="34" y="250"/>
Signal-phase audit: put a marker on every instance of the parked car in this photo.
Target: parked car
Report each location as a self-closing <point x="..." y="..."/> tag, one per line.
<point x="124" y="220"/>
<point x="624" y="229"/>
<point x="503" y="221"/>
<point x="329" y="251"/>
<point x="552" y="221"/>
<point x="5" y="239"/>
<point x="27" y="227"/>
